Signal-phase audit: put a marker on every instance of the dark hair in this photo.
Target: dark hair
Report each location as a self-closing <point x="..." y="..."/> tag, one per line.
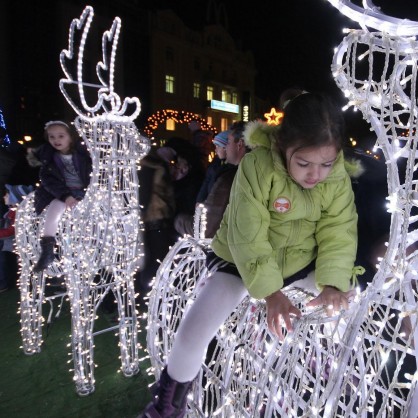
<point x="310" y="120"/>
<point x="237" y="130"/>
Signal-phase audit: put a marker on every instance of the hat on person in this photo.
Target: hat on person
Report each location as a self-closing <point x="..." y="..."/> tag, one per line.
<point x="16" y="193"/>
<point x="221" y="139"/>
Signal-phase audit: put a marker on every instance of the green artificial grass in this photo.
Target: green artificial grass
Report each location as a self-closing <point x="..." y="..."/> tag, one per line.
<point x="41" y="385"/>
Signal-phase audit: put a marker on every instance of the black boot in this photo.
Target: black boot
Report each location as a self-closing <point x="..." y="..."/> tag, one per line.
<point x="47" y="254"/>
<point x="170" y="399"/>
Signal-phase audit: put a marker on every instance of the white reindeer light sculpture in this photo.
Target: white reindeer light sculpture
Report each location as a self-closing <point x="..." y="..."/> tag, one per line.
<point x="362" y="363"/>
<point x="99" y="240"/>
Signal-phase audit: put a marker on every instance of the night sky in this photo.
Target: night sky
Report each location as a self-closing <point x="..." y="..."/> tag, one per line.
<point x="292" y="41"/>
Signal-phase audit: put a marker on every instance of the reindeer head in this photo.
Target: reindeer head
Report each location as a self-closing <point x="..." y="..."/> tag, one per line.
<point x="371" y="16"/>
<point x="109" y="105"/>
<point x="377" y="71"/>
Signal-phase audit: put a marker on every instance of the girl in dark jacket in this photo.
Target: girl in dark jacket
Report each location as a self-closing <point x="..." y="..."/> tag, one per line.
<point x="64" y="175"/>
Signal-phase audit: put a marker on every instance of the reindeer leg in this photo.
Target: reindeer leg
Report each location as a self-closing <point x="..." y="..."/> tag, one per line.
<point x="128" y="326"/>
<point x="31" y="285"/>
<point x="82" y="323"/>
<point x="31" y="297"/>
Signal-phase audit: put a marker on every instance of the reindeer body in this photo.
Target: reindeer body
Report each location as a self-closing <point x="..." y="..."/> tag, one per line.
<point x="99" y="240"/>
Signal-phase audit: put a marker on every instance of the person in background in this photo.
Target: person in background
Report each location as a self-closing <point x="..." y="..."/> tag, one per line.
<point x="291" y="211"/>
<point x="23" y="172"/>
<point x="202" y="140"/>
<point x="64" y="175"/>
<point x="8" y="259"/>
<point x="218" y="197"/>
<point x="187" y="173"/>
<point x="215" y="167"/>
<point x="156" y="197"/>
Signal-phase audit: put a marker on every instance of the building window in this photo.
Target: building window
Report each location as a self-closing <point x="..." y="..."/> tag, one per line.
<point x="169" y="84"/>
<point x="235" y="97"/>
<point x="170" y="125"/>
<point x="196" y="90"/>
<point x="209" y="120"/>
<point x="209" y="93"/>
<point x="224" y="124"/>
<point x="226" y="96"/>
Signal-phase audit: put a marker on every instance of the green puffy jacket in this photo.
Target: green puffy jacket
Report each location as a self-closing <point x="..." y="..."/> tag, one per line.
<point x="272" y="227"/>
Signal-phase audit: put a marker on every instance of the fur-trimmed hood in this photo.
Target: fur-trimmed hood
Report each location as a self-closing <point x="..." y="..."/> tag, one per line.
<point x="259" y="134"/>
<point x="354" y="167"/>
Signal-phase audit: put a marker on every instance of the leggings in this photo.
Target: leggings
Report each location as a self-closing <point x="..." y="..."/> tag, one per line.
<point x="53" y="215"/>
<point x="217" y="299"/>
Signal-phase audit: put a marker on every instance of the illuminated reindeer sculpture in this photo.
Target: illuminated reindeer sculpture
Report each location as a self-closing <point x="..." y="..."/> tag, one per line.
<point x="362" y="363"/>
<point x="99" y="240"/>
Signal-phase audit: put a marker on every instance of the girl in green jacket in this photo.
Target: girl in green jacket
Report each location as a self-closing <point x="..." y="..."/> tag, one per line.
<point x="291" y="211"/>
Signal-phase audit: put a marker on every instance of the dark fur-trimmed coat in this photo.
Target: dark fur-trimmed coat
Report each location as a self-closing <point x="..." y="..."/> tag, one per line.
<point x="52" y="182"/>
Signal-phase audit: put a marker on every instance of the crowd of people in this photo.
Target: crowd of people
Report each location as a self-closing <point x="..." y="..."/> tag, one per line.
<point x="173" y="178"/>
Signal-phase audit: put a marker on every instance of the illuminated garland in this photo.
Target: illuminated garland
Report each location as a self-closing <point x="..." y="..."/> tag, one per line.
<point x="362" y="363"/>
<point x="99" y="240"/>
<point x="178" y="116"/>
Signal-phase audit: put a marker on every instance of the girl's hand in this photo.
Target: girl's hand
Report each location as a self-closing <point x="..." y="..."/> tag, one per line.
<point x="279" y="306"/>
<point x="333" y="299"/>
<point x="71" y="202"/>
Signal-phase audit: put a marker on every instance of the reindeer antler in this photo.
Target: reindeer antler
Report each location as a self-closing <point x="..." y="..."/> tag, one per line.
<point x="108" y="100"/>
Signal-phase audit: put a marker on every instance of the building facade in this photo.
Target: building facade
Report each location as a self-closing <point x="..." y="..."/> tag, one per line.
<point x="197" y="73"/>
<point x="178" y="73"/>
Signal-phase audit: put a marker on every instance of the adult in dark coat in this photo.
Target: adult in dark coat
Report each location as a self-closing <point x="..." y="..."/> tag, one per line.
<point x="218" y="197"/>
<point x="156" y="198"/>
<point x="188" y="174"/>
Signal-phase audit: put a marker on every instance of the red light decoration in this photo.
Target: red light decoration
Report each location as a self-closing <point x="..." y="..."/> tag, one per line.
<point x="179" y="116"/>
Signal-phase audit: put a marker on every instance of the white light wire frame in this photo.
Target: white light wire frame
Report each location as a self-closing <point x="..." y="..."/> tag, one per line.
<point x="99" y="241"/>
